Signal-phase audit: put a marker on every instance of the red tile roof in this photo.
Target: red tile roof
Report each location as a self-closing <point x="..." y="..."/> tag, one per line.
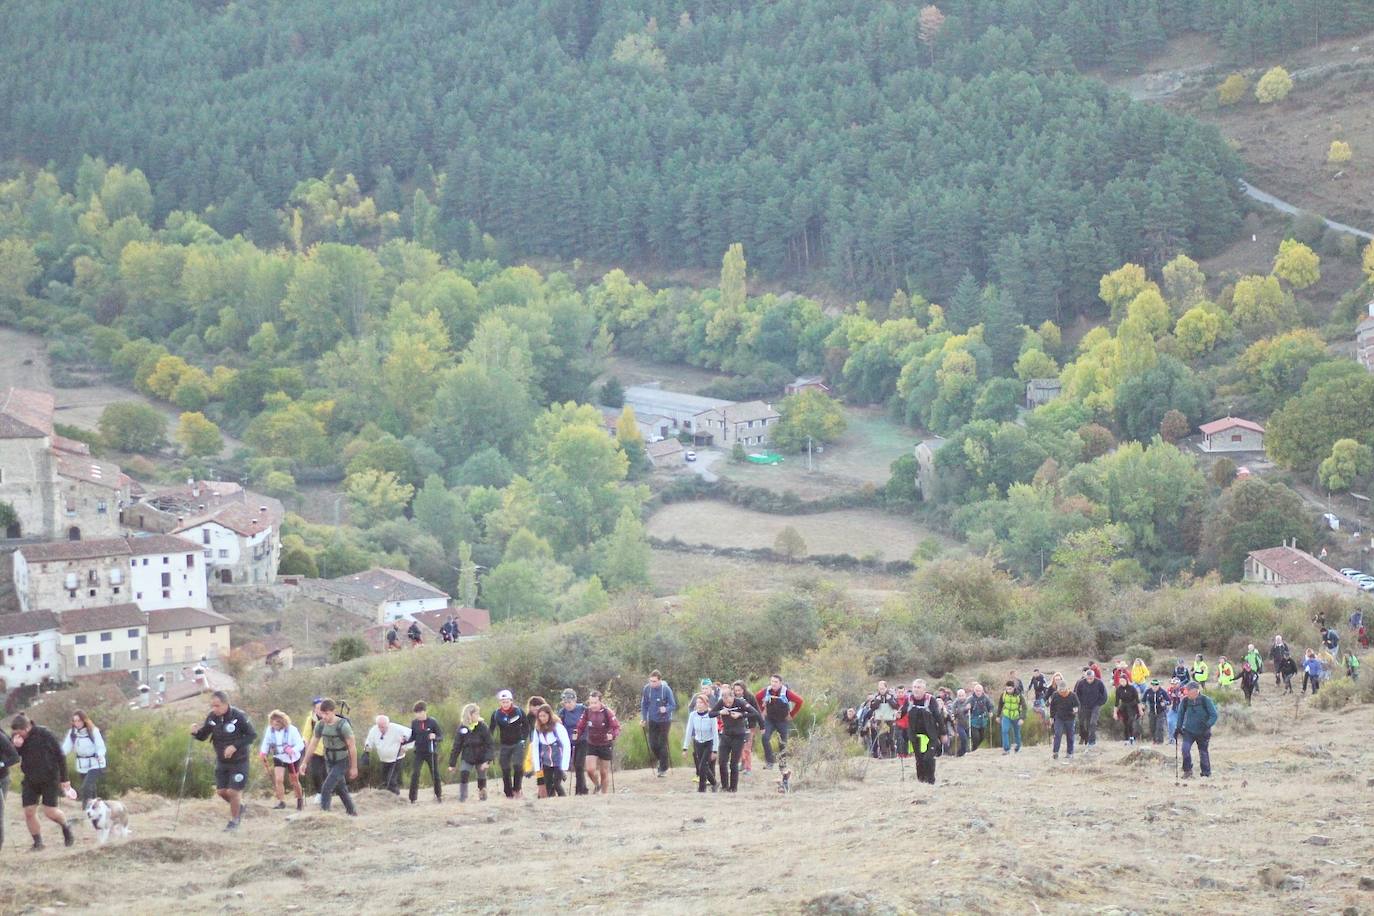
<point x="184" y="618"/>
<point x="239" y="518"/>
<point x="1224" y="423"/>
<point x="26" y="414"/>
<point x="381" y="584"/>
<point x="142" y="545"/>
<point x="1297" y="567"/>
<point x="83" y="467"/>
<point x="75" y="550"/>
<point x="112" y="616"/>
<point x="30" y="622"/>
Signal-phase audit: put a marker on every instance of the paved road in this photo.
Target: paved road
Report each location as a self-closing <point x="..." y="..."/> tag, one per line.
<point x="702" y="466"/>
<point x="1284" y="206"/>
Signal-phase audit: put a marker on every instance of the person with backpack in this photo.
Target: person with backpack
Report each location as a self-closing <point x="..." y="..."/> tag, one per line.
<point x="779" y="705"/>
<point x="232" y="737"/>
<point x="281" y="750"/>
<point x="314" y="763"/>
<point x="746" y="756"/>
<point x="737" y="716"/>
<point x="1140" y="675"/>
<point x="1157" y="704"/>
<point x="657" y="706"/>
<point x="1256" y="662"/>
<point x="84" y="739"/>
<point x="1040" y="694"/>
<point x="1226" y="673"/>
<point x="1277" y="653"/>
<point x="570" y="713"/>
<point x="389" y="740"/>
<point x="1182" y="672"/>
<point x="9" y="758"/>
<point x="1196" y="716"/>
<point x="335" y="733"/>
<point x="393" y="638"/>
<point x="1287" y="668"/>
<point x="925" y="721"/>
<point x="1352" y="665"/>
<point x="979" y="717"/>
<point x="1249" y="681"/>
<point x="959" y="711"/>
<point x="426" y="736"/>
<point x="413" y="634"/>
<point x="1201" y="670"/>
<point x="1011" y="710"/>
<point x="1092" y="696"/>
<point x="1063" y="711"/>
<point x="511" y="727"/>
<point x="881" y="719"/>
<point x="599" y="728"/>
<point x="552" y="751"/>
<point x="471" y="747"/>
<point x="1331" y="640"/>
<point x="702" y="737"/>
<point x="45" y="777"/>
<point x="1311" y="672"/>
<point x="1127" y="711"/>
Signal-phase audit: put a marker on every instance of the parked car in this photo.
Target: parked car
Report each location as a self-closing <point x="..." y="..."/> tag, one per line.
<point x="691" y="455"/>
<point x="1349" y="572"/>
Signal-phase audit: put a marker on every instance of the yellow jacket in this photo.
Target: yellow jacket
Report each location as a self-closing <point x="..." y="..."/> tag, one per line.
<point x="1139" y="673"/>
<point x="309" y="731"/>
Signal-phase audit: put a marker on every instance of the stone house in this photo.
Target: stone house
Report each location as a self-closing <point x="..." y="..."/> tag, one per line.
<point x="1041" y="391"/>
<point x="29" y="650"/>
<point x="379" y="594"/>
<point x="806" y="383"/>
<point x="239" y="531"/>
<point x="1232" y="434"/>
<point x="1292" y="573"/>
<point x="152" y="571"/>
<point x="749" y="423"/>
<point x="671" y="409"/>
<point x="669" y="453"/>
<point x="98" y="640"/>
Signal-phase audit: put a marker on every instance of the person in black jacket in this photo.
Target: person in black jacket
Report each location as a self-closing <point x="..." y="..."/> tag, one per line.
<point x="471" y="744"/>
<point x="426" y="736"/>
<point x="45" y="775"/>
<point x="738" y="717"/>
<point x="8" y="758"/>
<point x="232" y="737"/>
<point x="1063" y="707"/>
<point x="511" y="725"/>
<point x="925" y="724"/>
<point x="1092" y="696"/>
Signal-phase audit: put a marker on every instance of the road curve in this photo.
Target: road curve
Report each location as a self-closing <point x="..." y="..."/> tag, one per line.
<point x="1284" y="206"/>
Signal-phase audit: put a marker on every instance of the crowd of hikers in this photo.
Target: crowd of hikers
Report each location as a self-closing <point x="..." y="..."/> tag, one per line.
<point x="568" y="748"/>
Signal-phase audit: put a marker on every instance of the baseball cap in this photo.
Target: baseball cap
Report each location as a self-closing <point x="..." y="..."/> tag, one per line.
<point x="505" y="695"/>
<point x="569" y="694"/>
<point x="1154" y="680"/>
<point x="316" y="701"/>
<point x="706" y="682"/>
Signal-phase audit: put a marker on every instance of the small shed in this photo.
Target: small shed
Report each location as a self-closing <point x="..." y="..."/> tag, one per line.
<point x="1232" y="434"/>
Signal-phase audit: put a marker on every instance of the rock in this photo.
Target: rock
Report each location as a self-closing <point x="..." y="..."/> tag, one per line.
<point x="1317" y="839"/>
<point x="979" y="825"/>
<point x="1207" y="883"/>
<point x="1367" y="882"/>
<point x="845" y="903"/>
<point x="1292" y="883"/>
<point x="699" y="820"/>
<point x="1193" y="858"/>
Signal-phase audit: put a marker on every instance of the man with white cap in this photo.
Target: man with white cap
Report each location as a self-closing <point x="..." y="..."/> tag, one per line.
<point x="510" y="726"/>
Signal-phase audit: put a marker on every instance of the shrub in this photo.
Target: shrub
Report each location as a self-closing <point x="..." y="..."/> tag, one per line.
<point x="1274" y="86"/>
<point x="147" y="751"/>
<point x="1339" y="152"/>
<point x="1232" y="89"/>
<point x="1144" y="653"/>
<point x="347" y="648"/>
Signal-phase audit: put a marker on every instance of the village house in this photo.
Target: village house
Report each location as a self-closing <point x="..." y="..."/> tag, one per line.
<point x="672" y="409"/>
<point x="29" y="650"/>
<point x="806" y="383"/>
<point x="151" y="571"/>
<point x="98" y="640"/>
<point x="1232" y="434"/>
<point x="472" y="622"/>
<point x="274" y="653"/>
<point x="651" y="428"/>
<point x="749" y="423"/>
<point x="56" y="488"/>
<point x="379" y="594"/>
<point x="1293" y="573"/>
<point x="1041" y="391"/>
<point x="239" y="531"/>
<point x="182" y="636"/>
<point x="667" y="453"/>
<point x="1364" y="339"/>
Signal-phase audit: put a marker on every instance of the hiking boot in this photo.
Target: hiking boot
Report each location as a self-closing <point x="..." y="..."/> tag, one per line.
<point x="279" y="806"/>
<point x="1018" y="748"/>
<point x="300" y="803"/>
<point x="713" y="788"/>
<point x="232" y="825"/>
<point x="481" y="794"/>
<point x="661" y="773"/>
<point x="68" y="838"/>
<point x="1187" y="774"/>
<point x="1005" y="752"/>
<point x="768" y="766"/>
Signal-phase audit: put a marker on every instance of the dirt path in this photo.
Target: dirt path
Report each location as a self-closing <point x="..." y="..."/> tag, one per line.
<point x="1110" y="832"/>
<point x="1285" y="207"/>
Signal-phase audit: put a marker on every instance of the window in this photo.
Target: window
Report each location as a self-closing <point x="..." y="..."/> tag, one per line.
<point x="133" y="655"/>
<point x="37" y="652"/>
<point x="106" y="661"/>
<point x="106" y="636"/>
<point x="223" y="553"/>
<point x="116" y="590"/>
<point x="166" y="593"/>
<point x="166" y="561"/>
<point x="145" y="561"/>
<point x="81" y="661"/>
<point x="71" y="593"/>
<point x="167" y="636"/>
<point x="166" y="580"/>
<point x="1235" y="437"/>
<point x="138" y="596"/>
<point x="90" y="593"/>
<point x="190" y="561"/>
<point x="133" y="563"/>
<point x="212" y="629"/>
<point x="102" y="507"/>
<point x="133" y="634"/>
<point x="80" y="639"/>
<point x="205" y="535"/>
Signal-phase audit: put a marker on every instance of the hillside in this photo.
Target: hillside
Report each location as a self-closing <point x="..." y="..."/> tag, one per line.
<point x="1108" y="833"/>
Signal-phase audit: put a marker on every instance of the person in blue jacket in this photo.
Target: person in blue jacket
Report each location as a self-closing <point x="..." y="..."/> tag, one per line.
<point x="1196" y="716"/>
<point x="657" y="705"/>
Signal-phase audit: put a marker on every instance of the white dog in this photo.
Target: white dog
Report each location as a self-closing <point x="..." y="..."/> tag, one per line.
<point x="106" y="816"/>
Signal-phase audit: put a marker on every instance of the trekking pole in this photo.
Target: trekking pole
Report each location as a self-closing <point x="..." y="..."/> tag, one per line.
<point x="1175" y="758"/>
<point x="185" y="769"/>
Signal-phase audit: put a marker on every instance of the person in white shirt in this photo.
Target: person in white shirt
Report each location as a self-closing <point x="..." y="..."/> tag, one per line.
<point x="84" y="739"/>
<point x="281" y="750"/>
<point x="552" y="750"/>
<point x="388" y="739"/>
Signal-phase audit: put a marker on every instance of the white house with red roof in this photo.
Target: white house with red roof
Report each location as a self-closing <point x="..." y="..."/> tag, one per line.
<point x="239" y="531"/>
<point x="1364" y="339"/>
<point x="1232" y="434"/>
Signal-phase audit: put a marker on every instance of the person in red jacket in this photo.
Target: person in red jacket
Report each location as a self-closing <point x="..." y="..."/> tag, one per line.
<point x="599" y="727"/>
<point x="779" y="705"/>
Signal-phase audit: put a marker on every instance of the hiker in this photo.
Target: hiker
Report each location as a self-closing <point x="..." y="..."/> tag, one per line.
<point x="232" y="737"/>
<point x="1016" y="682"/>
<point x="657" y="706"/>
<point x="1175" y="700"/>
<point x="1331" y="640"/>
<point x="570" y="712"/>
<point x="1277" y="654"/>
<point x="340" y="756"/>
<point x="599" y="728"/>
<point x="84" y="739"/>
<point x="9" y="758"/>
<point x="1226" y="673"/>
<point x="1287" y="668"/>
<point x="1311" y="672"/>
<point x="1040" y="694"/>
<point x="471" y="747"/>
<point x="1120" y="673"/>
<point x="1249" y="681"/>
<point x="1140" y="675"/>
<point x="882" y="714"/>
<point x="393" y="637"/>
<point x="1201" y="670"/>
<point x="901" y="735"/>
<point x="314" y="763"/>
<point x="1127" y="712"/>
<point x="1356" y="620"/>
<point x="552" y="750"/>
<point x="281" y="750"/>
<point x="1157" y="704"/>
<point x="779" y="705"/>
<point x="1011" y="710"/>
<point x="711" y="689"/>
<point x="1092" y="696"/>
<point x="509" y="723"/>
<point x="1096" y="669"/>
<point x="389" y="740"/>
<point x="45" y="777"/>
<point x="1362" y="636"/>
<point x="1256" y="662"/>
<point x="1352" y="665"/>
<point x="746" y="757"/>
<point x="1196" y="716"/>
<point x="1063" y="710"/>
<point x="1182" y="672"/>
<point x="413" y="634"/>
<point x="531" y="758"/>
<point x="923" y="715"/>
<point x="959" y="711"/>
<point x="703" y="738"/>
<point x="979" y="716"/>
<point x="426" y="735"/>
<point x="737" y="717"/>
<point x="950" y="729"/>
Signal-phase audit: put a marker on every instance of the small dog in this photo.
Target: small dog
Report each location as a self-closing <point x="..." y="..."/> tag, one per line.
<point x="106" y="816"/>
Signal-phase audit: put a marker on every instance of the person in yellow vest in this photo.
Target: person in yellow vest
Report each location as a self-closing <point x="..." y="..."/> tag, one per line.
<point x="1200" y="671"/>
<point x="315" y="770"/>
<point x="1226" y="673"/>
<point x="1140" y="675"/>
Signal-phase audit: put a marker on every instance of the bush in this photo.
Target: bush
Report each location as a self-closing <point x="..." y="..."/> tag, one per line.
<point x="1144" y="653"/>
<point x="147" y="751"/>
<point x="1339" y="152"/>
<point x="1274" y="86"/>
<point x="347" y="648"/>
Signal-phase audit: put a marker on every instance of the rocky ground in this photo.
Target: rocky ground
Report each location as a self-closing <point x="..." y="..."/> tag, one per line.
<point x="1284" y="826"/>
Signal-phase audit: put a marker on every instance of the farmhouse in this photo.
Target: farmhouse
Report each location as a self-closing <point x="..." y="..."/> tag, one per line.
<point x="1364" y="339"/>
<point x="1041" y="391"/>
<point x="1232" y="434"/>
<point x="668" y="453"/>
<point x="379" y="594"/>
<point x="239" y="531"/>
<point x="678" y="409"/>
<point x="807" y="383"/>
<point x="750" y="424"/>
<point x="28" y="650"/>
<point x="1294" y="573"/>
<point x="151" y="571"/>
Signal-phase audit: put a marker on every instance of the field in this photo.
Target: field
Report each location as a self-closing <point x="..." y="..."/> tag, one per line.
<point x="673" y="572"/>
<point x="1283" y="825"/>
<point x="858" y="532"/>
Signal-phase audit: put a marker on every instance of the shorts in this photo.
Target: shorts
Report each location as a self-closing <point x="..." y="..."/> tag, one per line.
<point x="603" y="752"/>
<point x="231" y="775"/>
<point x="293" y="767"/>
<point x="35" y="792"/>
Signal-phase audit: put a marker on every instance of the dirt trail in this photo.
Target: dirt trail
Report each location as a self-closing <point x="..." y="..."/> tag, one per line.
<point x="998" y="834"/>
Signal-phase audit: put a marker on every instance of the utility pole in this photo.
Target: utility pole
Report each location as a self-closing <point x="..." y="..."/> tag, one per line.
<point x="808" y="453"/>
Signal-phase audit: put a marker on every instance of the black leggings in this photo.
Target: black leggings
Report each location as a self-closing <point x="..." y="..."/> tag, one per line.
<point x="425" y="762"/>
<point x="553" y="783"/>
<point x="701" y="757"/>
<point x="512" y="760"/>
<point x="731" y="747"/>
